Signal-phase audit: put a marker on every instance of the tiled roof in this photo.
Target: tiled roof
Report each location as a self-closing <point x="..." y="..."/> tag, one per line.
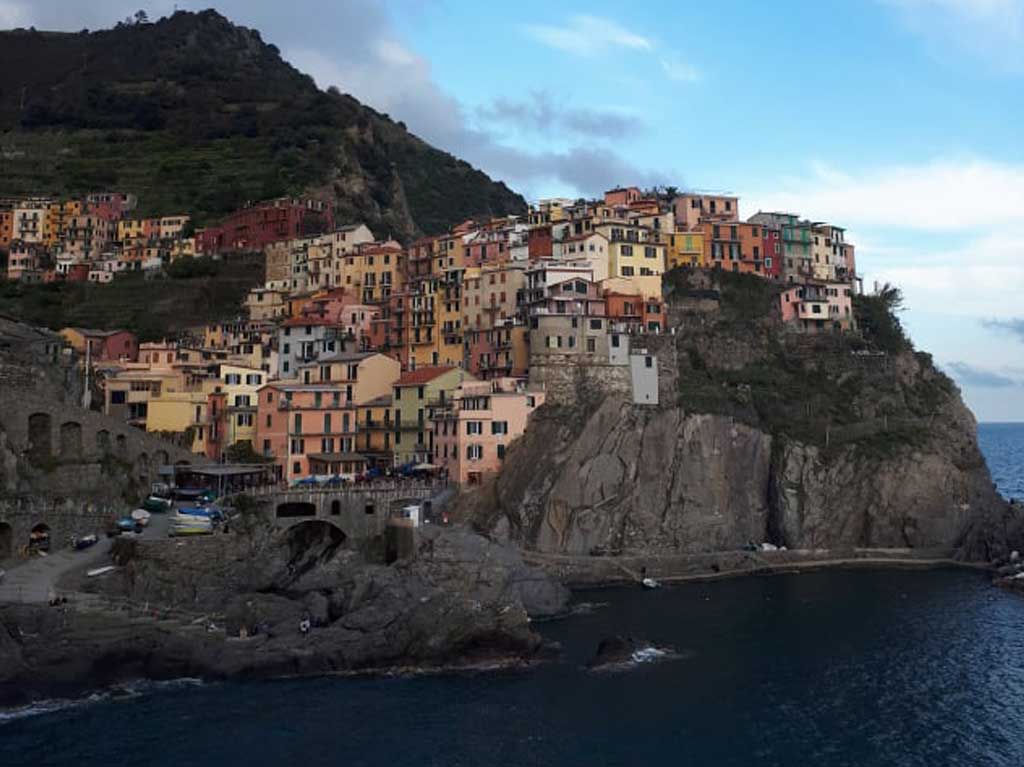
<point x="423" y="375"/>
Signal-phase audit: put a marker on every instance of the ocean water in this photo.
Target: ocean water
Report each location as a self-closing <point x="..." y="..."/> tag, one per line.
<point x="1003" y="447"/>
<point x="830" y="668"/>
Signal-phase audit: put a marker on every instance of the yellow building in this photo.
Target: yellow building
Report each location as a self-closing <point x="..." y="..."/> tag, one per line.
<point x="57" y="216"/>
<point x="636" y="259"/>
<point x="685" y="249"/>
<point x="239" y="385"/>
<point x="373" y="428"/>
<point x="178" y="412"/>
<point x="365" y="376"/>
<point x="373" y="273"/>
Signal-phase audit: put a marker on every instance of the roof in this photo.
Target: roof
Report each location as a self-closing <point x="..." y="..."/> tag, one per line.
<point x="337" y="457"/>
<point x="382" y="401"/>
<point x="298" y="322"/>
<point x="423" y="375"/>
<point x="343" y="357"/>
<point x="98" y="333"/>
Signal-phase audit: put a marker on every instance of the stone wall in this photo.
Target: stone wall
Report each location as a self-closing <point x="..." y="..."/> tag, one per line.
<point x="63" y="519"/>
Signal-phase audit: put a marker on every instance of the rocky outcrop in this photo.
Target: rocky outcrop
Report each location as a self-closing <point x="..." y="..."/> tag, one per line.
<point x="461" y="600"/>
<point x="808" y="442"/>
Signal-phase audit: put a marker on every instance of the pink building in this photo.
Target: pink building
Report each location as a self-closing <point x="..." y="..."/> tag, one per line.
<point x="816" y="307"/>
<point x="308" y="429"/>
<point x="472" y="435"/>
<point x="23" y="262"/>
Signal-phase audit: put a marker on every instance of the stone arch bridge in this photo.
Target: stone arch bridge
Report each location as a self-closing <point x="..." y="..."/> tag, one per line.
<point x="360" y="512"/>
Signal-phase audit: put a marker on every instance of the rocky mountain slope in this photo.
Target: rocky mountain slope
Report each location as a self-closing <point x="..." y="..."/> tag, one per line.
<point x="193" y="113"/>
<point x="809" y="442"/>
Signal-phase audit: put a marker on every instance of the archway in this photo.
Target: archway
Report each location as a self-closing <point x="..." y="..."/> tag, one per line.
<point x="6" y="541"/>
<point x="71" y="441"/>
<point x="335" y="508"/>
<point x="312" y="544"/>
<point x="295" y="509"/>
<point x="122" y="446"/>
<point x="39" y="538"/>
<point x="39" y="436"/>
<point x="103" y="441"/>
<point x="142" y="467"/>
<point x="160" y="459"/>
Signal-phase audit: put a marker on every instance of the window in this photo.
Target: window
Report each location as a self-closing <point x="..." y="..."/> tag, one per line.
<point x="474" y="427"/>
<point x="287" y="348"/>
<point x="501" y="452"/>
<point x="627" y="271"/>
<point x="499" y="427"/>
<point x="269" y="420"/>
<point x="474" y="452"/>
<point x="298" y="423"/>
<point x="627" y="250"/>
<point x="419" y="393"/>
<point x="650" y="252"/>
<point x="327" y="425"/>
<point x="117" y="397"/>
<point x="649" y="361"/>
<point x="591" y="345"/>
<point x="296" y="467"/>
<point x="244" y="419"/>
<point x="615" y="342"/>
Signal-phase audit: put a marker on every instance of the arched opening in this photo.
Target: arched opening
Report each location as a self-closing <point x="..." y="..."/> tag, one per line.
<point x="142" y="467"/>
<point x="39" y="448"/>
<point x="71" y="441"/>
<point x="295" y="509"/>
<point x="312" y="544"/>
<point x="160" y="459"/>
<point x="122" y="445"/>
<point x="335" y="508"/>
<point x="39" y="538"/>
<point x="103" y="441"/>
<point x="6" y="541"/>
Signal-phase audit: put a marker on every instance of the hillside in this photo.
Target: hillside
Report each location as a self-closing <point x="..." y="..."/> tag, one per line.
<point x="152" y="308"/>
<point x="193" y="113"/>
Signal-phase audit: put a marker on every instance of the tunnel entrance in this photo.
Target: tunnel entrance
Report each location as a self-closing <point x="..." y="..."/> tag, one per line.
<point x="312" y="544"/>
<point x="295" y="509"/>
<point x="6" y="541"/>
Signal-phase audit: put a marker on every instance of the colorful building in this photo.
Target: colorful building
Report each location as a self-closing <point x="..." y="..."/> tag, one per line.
<point x="471" y="435"/>
<point x="415" y="395"/>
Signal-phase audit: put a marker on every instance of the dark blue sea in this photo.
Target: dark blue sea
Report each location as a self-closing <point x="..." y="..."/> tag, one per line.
<point x="1003" y="446"/>
<point x="831" y="668"/>
<point x="855" y="668"/>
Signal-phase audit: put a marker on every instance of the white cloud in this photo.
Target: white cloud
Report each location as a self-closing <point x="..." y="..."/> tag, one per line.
<point x="677" y="69"/>
<point x="587" y="36"/>
<point x="12" y="15"/>
<point x="591" y="36"/>
<point x="992" y="30"/>
<point x="943" y="196"/>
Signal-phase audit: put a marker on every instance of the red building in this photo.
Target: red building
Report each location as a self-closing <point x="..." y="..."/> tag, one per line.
<point x="111" y="206"/>
<point x="538" y="242"/>
<point x="263" y="223"/>
<point x="771" y="248"/>
<point x="638" y="314"/>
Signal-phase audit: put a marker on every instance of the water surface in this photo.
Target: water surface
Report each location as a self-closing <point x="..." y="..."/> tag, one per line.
<point x="830" y="668"/>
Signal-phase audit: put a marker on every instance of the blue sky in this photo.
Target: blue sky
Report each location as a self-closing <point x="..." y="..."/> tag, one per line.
<point x="899" y="119"/>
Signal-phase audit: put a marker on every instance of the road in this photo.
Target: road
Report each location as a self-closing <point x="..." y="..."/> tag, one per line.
<point x="32" y="581"/>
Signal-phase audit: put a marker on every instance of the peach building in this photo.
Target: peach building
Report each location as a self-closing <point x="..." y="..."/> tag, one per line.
<point x="306" y="428"/>
<point x="472" y="435"/>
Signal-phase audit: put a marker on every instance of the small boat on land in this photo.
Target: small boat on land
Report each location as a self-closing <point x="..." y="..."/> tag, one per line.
<point x="650" y="583"/>
<point x="84" y="542"/>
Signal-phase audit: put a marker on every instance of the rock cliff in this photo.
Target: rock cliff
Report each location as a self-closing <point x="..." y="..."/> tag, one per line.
<point x="461" y="601"/>
<point x="809" y="442"/>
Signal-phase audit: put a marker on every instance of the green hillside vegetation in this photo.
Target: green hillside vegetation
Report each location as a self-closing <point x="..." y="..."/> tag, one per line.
<point x="195" y="114"/>
<point x="828" y="389"/>
<point x="202" y="291"/>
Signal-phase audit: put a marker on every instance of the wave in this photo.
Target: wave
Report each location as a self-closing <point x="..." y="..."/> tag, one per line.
<point x="127" y="691"/>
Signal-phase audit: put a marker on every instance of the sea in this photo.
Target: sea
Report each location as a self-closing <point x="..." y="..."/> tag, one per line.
<point x="855" y="667"/>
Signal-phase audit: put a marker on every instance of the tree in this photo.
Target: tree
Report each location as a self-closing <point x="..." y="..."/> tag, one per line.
<point x="242" y="452"/>
<point x="141" y="17"/>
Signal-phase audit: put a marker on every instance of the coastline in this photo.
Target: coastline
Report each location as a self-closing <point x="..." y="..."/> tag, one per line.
<point x="609" y="572"/>
<point x="174" y="654"/>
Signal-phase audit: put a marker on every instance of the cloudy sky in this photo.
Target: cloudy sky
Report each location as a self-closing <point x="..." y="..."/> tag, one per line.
<point x="899" y="119"/>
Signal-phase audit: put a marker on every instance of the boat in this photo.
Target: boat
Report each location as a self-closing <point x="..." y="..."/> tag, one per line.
<point x="95" y="572"/>
<point x="156" y="505"/>
<point x="650" y="583"/>
<point x="182" y="530"/>
<point x="84" y="542"/>
<point x="141" y="516"/>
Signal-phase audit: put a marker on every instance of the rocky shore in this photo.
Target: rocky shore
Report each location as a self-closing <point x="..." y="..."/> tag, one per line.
<point x="226" y="607"/>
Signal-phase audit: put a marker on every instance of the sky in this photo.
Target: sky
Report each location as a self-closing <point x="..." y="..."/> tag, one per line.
<point x="898" y="119"/>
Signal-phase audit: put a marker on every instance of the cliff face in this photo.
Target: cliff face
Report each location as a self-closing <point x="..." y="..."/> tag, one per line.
<point x="805" y="442"/>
